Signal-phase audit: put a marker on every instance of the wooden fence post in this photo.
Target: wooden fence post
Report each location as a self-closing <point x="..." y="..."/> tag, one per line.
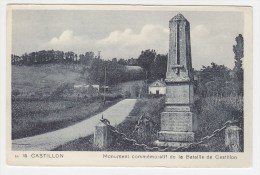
<point x="233" y="138"/>
<point x="102" y="136"/>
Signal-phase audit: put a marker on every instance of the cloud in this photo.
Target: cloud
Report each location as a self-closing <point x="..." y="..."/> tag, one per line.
<point x="66" y="42"/>
<point x="65" y="38"/>
<point x="128" y="43"/>
<point x="207" y="46"/>
<point x="120" y="44"/>
<point x="210" y="47"/>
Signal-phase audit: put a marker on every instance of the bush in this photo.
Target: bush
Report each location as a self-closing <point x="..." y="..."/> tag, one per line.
<point x="63" y="89"/>
<point x="127" y="94"/>
<point x="16" y="92"/>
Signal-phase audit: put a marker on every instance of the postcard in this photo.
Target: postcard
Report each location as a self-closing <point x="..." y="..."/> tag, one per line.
<point x="129" y="85"/>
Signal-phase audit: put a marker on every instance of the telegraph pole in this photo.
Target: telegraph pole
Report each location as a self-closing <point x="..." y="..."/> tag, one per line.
<point x="105" y="85"/>
<point x="146" y="83"/>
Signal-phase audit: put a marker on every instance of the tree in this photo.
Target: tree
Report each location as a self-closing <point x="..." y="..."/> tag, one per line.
<point x="159" y="67"/>
<point x="238" y="50"/>
<point x="136" y="89"/>
<point x="96" y="71"/>
<point x="213" y="80"/>
<point x="70" y="57"/>
<point x="146" y="59"/>
<point x="122" y="61"/>
<point x="15" y="59"/>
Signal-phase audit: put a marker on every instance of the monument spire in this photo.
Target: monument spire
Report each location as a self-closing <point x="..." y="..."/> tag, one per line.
<point x="179" y="66"/>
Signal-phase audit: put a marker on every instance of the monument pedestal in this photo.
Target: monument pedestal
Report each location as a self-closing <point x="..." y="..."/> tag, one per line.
<point x="170" y="144"/>
<point x="177" y="129"/>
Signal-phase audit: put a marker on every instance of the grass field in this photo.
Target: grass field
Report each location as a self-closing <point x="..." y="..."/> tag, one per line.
<point x="33" y="117"/>
<point x="213" y="113"/>
<point x="44" y="78"/>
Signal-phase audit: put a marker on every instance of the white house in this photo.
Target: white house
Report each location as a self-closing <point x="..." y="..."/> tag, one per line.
<point x="157" y="87"/>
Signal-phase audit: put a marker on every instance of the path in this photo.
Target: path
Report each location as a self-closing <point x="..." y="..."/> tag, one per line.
<point x="48" y="141"/>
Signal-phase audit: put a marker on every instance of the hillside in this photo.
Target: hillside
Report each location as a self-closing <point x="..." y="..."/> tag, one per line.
<point x="44" y="78"/>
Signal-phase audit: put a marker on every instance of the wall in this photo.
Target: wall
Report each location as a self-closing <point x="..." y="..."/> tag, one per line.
<point x="152" y="90"/>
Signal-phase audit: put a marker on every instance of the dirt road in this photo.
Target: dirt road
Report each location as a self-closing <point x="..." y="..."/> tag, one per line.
<point x="48" y="141"/>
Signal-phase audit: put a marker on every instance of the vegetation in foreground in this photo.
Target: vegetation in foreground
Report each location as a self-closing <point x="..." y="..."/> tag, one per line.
<point x="213" y="113"/>
<point x="36" y="116"/>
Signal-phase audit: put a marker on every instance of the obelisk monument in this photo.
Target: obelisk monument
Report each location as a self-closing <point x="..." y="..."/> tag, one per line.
<point x="178" y="121"/>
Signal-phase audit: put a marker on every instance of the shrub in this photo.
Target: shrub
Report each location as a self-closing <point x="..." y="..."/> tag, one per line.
<point x="16" y="92"/>
<point x="127" y="94"/>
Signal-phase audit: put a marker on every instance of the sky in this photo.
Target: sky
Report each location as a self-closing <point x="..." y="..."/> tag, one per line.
<point x="124" y="34"/>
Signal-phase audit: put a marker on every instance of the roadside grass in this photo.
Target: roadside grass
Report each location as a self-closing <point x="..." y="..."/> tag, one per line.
<point x="215" y="111"/>
<point x="151" y="107"/>
<point x="36" y="116"/>
<point x="212" y="113"/>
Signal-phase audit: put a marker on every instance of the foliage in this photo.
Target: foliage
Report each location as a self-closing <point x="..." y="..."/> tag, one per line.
<point x="63" y="89"/>
<point x="146" y="59"/>
<point x="51" y="56"/>
<point x="214" y="79"/>
<point x="238" y="50"/>
<point x="115" y="73"/>
<point x="136" y="89"/>
<point x="159" y="67"/>
<point x="16" y="92"/>
<point x="87" y="58"/>
<point x="36" y="116"/>
<point x="215" y="111"/>
<point x="129" y="62"/>
<point x="127" y="94"/>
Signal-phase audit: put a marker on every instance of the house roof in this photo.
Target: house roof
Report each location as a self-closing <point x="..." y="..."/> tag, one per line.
<point x="158" y="83"/>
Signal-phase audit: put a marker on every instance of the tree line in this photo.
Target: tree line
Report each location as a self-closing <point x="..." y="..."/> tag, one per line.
<point x="213" y="79"/>
<point x="210" y="80"/>
<point x="110" y="72"/>
<point x="44" y="57"/>
<point x="52" y="56"/>
<point x="220" y="80"/>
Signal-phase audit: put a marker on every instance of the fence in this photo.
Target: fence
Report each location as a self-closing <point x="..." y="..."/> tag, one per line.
<point x="105" y="132"/>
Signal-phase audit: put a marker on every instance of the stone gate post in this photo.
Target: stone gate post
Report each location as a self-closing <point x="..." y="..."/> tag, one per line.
<point x="102" y="136"/>
<point x="233" y="138"/>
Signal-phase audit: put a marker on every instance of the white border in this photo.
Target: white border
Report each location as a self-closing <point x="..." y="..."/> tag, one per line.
<point x="255" y="170"/>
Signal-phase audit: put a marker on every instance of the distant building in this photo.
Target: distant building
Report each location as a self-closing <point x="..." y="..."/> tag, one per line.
<point x="157" y="87"/>
<point x="85" y="86"/>
<point x="134" y="68"/>
<point x="104" y="88"/>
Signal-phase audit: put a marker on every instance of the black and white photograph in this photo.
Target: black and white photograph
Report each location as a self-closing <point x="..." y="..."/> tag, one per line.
<point x="119" y="79"/>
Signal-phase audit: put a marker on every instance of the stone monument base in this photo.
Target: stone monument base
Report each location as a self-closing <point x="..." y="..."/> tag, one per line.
<point x="179" y="121"/>
<point x="170" y="136"/>
<point x="177" y="129"/>
<point x="174" y="139"/>
<point x="171" y="144"/>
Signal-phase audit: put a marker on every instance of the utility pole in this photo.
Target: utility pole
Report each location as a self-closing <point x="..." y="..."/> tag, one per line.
<point x="146" y="83"/>
<point x="105" y="85"/>
<point x="99" y="53"/>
